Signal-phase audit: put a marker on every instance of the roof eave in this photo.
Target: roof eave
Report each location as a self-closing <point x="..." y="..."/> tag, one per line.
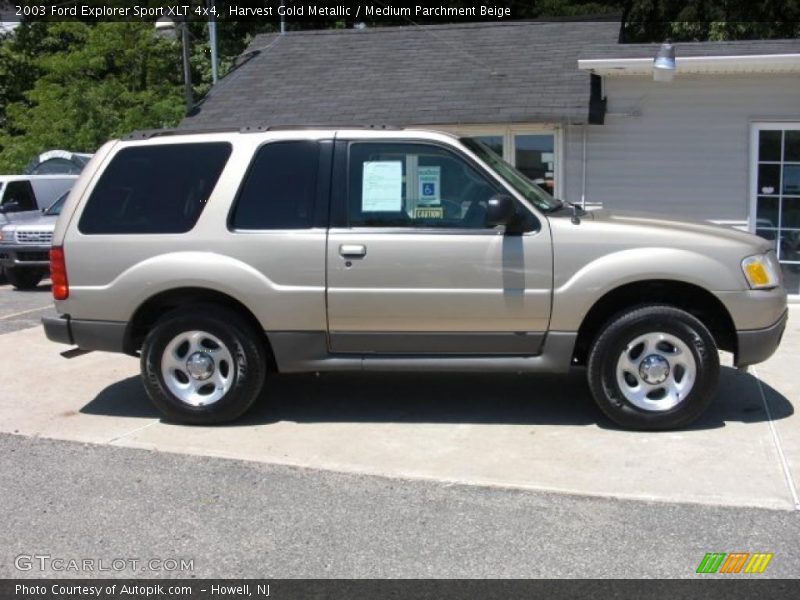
<point x="754" y="63"/>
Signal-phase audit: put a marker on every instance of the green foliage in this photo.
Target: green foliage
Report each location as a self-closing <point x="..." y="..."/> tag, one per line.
<point x="85" y="84"/>
<point x="710" y="20"/>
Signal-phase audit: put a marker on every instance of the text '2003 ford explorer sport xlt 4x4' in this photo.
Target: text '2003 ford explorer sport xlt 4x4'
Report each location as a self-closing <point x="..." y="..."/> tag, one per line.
<point x="218" y="257"/>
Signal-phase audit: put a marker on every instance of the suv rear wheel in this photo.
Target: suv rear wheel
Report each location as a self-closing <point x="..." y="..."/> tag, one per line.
<point x="24" y="278"/>
<point x="203" y="365"/>
<point x="653" y="367"/>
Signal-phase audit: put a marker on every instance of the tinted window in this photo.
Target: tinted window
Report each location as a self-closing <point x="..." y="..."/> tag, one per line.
<point x="415" y="185"/>
<point x="20" y="192"/>
<point x="280" y="187"/>
<point x="155" y="189"/>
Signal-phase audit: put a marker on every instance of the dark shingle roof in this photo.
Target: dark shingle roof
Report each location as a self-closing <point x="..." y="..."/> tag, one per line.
<point x="444" y="74"/>
<point x="734" y="48"/>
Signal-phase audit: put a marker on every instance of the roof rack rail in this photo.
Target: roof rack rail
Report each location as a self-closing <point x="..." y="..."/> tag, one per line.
<point x="146" y="134"/>
<point x="263" y="128"/>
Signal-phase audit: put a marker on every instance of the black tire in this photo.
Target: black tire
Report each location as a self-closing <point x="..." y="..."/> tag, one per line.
<point x="244" y="345"/>
<point x="24" y="279"/>
<point x="624" y="329"/>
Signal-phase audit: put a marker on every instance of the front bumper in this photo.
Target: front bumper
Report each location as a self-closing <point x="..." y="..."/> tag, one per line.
<point x="24" y="256"/>
<point x="107" y="336"/>
<point x="757" y="345"/>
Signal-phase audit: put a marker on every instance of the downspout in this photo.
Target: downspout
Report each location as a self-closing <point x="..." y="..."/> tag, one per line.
<point x="583" y="169"/>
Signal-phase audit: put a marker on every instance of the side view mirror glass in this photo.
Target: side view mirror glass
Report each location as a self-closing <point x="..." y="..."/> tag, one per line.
<point x="10" y="206"/>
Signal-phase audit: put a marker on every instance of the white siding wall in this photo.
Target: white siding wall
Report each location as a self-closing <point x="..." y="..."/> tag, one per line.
<point x="685" y="152"/>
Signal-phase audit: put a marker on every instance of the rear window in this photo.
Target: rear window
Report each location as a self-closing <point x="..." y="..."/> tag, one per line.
<point x="154" y="189"/>
<point x="280" y="188"/>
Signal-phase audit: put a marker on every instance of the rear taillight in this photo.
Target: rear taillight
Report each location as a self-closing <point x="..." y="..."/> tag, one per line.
<point x="58" y="273"/>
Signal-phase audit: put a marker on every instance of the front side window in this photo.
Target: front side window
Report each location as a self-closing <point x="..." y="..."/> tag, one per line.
<point x="21" y="193"/>
<point x="415" y="185"/>
<point x="516" y="179"/>
<point x="280" y="188"/>
<point x="154" y="189"/>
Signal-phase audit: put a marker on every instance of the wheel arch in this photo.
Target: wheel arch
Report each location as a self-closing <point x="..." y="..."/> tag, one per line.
<point x="694" y="299"/>
<point x="152" y="309"/>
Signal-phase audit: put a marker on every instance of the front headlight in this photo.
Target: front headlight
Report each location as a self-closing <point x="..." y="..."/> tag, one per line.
<point x="762" y="271"/>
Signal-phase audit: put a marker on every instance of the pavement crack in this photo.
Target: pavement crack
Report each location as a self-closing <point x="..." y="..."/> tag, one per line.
<point x="132" y="431"/>
<point x="776" y="439"/>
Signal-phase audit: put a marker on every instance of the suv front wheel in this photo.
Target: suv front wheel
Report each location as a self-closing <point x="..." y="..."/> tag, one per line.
<point x="653" y="367"/>
<point x="203" y="365"/>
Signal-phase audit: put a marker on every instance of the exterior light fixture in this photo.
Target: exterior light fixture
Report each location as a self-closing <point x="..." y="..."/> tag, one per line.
<point x="664" y="63"/>
<point x="167" y="29"/>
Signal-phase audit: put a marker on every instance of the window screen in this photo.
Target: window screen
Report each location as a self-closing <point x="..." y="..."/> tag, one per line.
<point x="20" y="192"/>
<point x="415" y="185"/>
<point x="280" y="188"/>
<point x="154" y="189"/>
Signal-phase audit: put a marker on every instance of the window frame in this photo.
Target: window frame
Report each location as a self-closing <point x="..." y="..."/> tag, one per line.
<point x="340" y="197"/>
<point x="756" y="127"/>
<point x="321" y="197"/>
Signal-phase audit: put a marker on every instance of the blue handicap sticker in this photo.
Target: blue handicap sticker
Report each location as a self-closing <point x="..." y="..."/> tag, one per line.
<point x="428" y="189"/>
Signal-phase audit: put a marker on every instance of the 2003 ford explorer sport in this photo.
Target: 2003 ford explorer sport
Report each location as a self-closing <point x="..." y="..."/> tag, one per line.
<point x="219" y="257"/>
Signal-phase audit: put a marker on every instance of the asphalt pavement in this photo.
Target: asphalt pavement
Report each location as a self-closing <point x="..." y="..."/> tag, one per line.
<point x="244" y="519"/>
<point x="23" y="310"/>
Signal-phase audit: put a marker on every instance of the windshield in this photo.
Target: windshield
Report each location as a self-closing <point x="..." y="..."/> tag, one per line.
<point x="55" y="207"/>
<point x="532" y="192"/>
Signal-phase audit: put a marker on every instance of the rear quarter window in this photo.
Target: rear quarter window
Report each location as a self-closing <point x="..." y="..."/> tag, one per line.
<point x="154" y="189"/>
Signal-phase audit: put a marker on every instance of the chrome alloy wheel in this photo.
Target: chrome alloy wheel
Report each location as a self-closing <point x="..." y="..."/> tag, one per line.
<point x="197" y="368"/>
<point x="656" y="371"/>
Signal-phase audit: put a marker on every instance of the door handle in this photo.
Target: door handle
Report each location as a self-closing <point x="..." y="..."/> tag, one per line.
<point x="352" y="250"/>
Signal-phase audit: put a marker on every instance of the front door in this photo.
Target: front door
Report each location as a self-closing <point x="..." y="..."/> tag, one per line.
<point x="414" y="268"/>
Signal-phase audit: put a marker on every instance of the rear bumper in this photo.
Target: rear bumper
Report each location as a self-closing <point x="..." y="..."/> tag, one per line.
<point x="25" y="256"/>
<point x="757" y="345"/>
<point x="108" y="336"/>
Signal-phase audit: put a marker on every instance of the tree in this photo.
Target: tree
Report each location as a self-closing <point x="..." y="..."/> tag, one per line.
<point x="710" y="20"/>
<point x="90" y="83"/>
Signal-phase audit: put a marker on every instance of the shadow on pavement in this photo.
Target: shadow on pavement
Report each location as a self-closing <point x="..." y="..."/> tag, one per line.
<point x="42" y="287"/>
<point x="446" y="398"/>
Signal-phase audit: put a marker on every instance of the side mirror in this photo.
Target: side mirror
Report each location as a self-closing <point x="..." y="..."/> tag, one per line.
<point x="11" y="206"/>
<point x="501" y="210"/>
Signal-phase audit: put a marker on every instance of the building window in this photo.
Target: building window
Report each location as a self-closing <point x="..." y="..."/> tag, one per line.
<point x="534" y="155"/>
<point x="534" y="150"/>
<point x="775" y="187"/>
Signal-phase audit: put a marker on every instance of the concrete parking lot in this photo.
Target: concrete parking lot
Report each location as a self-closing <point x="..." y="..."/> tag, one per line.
<point x="515" y="431"/>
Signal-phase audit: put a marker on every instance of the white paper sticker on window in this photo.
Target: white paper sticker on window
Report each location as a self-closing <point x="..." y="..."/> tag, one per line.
<point x="430" y="181"/>
<point x="382" y="187"/>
